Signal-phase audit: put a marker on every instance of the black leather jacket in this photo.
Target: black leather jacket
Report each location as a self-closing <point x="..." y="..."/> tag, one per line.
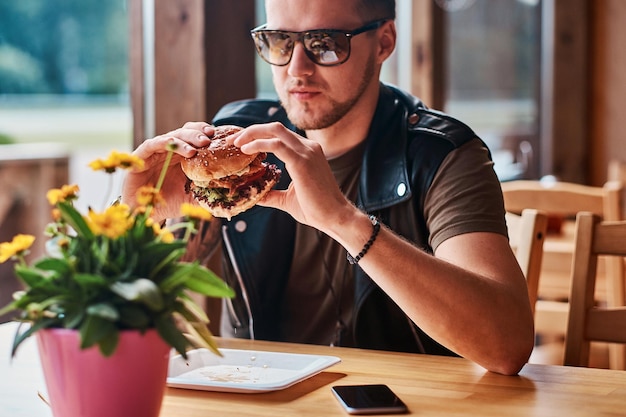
<point x="406" y="144"/>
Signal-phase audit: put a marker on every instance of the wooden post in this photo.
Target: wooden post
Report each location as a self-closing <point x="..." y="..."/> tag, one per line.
<point x="428" y="73"/>
<point x="203" y="58"/>
<point x="567" y="84"/>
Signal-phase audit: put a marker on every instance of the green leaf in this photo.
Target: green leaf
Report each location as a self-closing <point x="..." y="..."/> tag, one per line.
<point x="20" y="337"/>
<point x="95" y="329"/>
<point x="142" y="290"/>
<point x="171" y="334"/>
<point x="54" y="264"/>
<point x="89" y="280"/>
<point x="178" y="277"/>
<point x="204" y="281"/>
<point x="134" y="316"/>
<point x="104" y="310"/>
<point x="168" y="257"/>
<point x="190" y="310"/>
<point x="75" y="219"/>
<point x="29" y="276"/>
<point x="203" y="337"/>
<point x="108" y="344"/>
<point x="8" y="308"/>
<point x="73" y="319"/>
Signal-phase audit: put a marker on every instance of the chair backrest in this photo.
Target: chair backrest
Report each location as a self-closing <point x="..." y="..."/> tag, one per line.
<point x="617" y="172"/>
<point x="589" y="321"/>
<point x="526" y="234"/>
<point x="563" y="200"/>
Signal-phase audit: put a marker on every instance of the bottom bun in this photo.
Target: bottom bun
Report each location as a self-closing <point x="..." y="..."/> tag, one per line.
<point x="242" y="205"/>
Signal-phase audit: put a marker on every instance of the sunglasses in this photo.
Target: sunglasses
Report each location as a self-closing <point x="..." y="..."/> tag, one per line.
<point x="326" y="47"/>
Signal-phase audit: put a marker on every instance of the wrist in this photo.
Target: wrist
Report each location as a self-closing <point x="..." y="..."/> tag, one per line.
<point x="375" y="229"/>
<point x="352" y="231"/>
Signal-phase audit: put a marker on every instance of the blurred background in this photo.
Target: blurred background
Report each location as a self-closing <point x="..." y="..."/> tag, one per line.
<point x="64" y="82"/>
<point x="64" y="77"/>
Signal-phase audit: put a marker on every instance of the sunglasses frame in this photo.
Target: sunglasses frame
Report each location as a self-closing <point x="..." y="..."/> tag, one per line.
<point x="299" y="37"/>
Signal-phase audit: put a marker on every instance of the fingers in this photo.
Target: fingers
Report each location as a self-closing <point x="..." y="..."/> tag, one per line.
<point x="186" y="140"/>
<point x="274" y="138"/>
<point x="274" y="199"/>
<point x="203" y="127"/>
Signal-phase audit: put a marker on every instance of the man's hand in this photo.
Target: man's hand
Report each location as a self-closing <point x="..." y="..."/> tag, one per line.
<point x="153" y="151"/>
<point x="313" y="197"/>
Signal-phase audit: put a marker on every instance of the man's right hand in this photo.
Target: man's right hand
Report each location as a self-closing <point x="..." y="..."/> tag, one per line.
<point x="153" y="151"/>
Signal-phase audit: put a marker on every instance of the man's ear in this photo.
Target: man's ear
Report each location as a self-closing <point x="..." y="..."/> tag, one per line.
<point x="386" y="40"/>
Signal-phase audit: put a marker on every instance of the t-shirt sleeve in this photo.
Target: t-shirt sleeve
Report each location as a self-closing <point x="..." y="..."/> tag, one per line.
<point x="465" y="196"/>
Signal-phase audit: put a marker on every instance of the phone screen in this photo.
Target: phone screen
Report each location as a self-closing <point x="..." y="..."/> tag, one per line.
<point x="369" y="399"/>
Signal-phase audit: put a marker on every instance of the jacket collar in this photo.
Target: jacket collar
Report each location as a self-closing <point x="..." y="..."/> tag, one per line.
<point x="384" y="176"/>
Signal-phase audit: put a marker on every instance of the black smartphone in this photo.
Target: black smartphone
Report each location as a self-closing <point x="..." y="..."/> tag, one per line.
<point x="369" y="399"/>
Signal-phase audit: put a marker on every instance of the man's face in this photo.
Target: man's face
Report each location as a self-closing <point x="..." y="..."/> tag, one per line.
<point x="315" y="96"/>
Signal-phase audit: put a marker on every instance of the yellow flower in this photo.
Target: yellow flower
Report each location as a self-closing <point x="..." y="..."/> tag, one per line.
<point x="67" y="192"/>
<point x="112" y="223"/>
<point x="18" y="246"/>
<point x="195" y="212"/>
<point x="164" y="234"/>
<point x="56" y="215"/>
<point x="149" y="196"/>
<point x="117" y="160"/>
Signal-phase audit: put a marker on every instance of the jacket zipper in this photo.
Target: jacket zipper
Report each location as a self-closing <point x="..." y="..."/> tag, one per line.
<point x="244" y="292"/>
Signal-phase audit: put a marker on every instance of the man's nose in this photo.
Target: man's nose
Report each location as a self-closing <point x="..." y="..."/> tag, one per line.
<point x="300" y="64"/>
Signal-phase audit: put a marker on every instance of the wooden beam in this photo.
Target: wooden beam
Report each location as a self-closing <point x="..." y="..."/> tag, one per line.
<point x="230" y="54"/>
<point x="179" y="63"/>
<point x="608" y="77"/>
<point x="136" y="69"/>
<point x="203" y="58"/>
<point x="428" y="73"/>
<point x="570" y="110"/>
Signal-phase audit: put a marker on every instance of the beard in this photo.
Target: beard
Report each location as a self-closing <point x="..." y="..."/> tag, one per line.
<point x="304" y="117"/>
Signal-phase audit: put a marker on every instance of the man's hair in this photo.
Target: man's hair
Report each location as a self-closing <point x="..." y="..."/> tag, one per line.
<point x="376" y="9"/>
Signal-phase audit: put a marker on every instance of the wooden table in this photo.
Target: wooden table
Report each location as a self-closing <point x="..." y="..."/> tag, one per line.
<point x="430" y="385"/>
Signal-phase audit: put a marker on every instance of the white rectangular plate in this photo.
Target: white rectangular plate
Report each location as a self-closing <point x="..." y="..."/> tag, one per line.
<point x="244" y="370"/>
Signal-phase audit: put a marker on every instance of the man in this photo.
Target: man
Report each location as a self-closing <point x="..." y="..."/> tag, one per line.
<point x="350" y="147"/>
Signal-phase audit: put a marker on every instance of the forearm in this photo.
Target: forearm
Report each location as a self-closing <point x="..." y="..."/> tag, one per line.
<point x="476" y="307"/>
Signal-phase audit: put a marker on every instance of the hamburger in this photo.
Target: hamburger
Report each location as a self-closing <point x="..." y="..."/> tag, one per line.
<point x="225" y="180"/>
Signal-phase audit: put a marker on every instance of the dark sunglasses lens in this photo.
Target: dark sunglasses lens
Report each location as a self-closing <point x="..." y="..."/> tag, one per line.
<point x="273" y="47"/>
<point x="326" y="47"/>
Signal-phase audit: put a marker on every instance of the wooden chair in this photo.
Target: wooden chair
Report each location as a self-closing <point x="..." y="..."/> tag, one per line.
<point x="617" y="172"/>
<point x="526" y="234"/>
<point x="589" y="321"/>
<point x="562" y="201"/>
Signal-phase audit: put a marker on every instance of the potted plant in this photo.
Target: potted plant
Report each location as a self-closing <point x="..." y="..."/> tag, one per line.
<point x="110" y="297"/>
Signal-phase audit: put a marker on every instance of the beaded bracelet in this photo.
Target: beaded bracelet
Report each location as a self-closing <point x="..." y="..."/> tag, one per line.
<point x="376" y="229"/>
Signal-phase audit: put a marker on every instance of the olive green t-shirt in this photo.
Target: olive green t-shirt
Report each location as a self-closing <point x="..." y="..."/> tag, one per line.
<point x="320" y="290"/>
<point x="320" y="293"/>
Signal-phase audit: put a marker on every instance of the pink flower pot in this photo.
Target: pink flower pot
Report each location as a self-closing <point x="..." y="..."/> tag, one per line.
<point x="84" y="383"/>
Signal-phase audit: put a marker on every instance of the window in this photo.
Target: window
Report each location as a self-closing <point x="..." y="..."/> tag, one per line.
<point x="491" y="73"/>
<point x="64" y="79"/>
<point x="493" y="76"/>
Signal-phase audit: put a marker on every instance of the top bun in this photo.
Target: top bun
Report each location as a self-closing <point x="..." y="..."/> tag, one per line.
<point x="219" y="159"/>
